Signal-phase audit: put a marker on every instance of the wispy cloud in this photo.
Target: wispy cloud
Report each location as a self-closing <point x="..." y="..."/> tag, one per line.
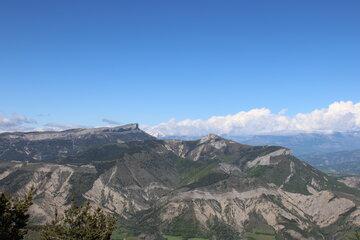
<point x="110" y="122"/>
<point x="16" y="122"/>
<point x="58" y="127"/>
<point x="338" y="116"/>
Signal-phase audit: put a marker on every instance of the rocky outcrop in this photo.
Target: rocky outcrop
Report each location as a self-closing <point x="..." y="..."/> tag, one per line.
<point x="353" y="181"/>
<point x="267" y="159"/>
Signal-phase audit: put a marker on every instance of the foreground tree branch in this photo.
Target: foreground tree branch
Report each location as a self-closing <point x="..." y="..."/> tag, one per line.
<point x="14" y="216"/>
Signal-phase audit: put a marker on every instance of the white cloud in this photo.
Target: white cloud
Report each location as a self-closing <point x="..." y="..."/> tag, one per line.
<point x="15" y="122"/>
<point x="339" y="116"/>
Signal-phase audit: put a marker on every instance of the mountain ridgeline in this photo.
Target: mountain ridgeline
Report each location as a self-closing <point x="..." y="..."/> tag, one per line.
<point x="205" y="188"/>
<point x="343" y="162"/>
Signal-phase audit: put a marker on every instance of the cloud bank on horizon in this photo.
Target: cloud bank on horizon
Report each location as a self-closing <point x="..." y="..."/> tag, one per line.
<point x="339" y="116"/>
<point x="16" y="122"/>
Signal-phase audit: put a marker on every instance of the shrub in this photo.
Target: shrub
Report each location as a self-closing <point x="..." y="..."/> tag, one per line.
<point x="80" y="223"/>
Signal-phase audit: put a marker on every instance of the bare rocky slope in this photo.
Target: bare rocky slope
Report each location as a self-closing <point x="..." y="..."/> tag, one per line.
<point x="198" y="188"/>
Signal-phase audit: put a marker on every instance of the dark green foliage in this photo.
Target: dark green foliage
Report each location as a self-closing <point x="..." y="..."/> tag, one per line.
<point x="297" y="185"/>
<point x="219" y="231"/>
<point x="14" y="217"/>
<point x="191" y="171"/>
<point x="257" y="171"/>
<point x="209" y="179"/>
<point x="145" y="223"/>
<point x="16" y="180"/>
<point x="200" y="173"/>
<point x="184" y="225"/>
<point x="98" y="154"/>
<point x="80" y="223"/>
<point x="355" y="236"/>
<point x="81" y="183"/>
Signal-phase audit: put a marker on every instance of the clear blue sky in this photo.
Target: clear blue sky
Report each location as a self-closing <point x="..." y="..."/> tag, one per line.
<point x="149" y="61"/>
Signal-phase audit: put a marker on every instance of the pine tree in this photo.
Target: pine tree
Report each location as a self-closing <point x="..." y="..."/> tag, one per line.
<point x="14" y="216"/>
<point x="80" y="223"/>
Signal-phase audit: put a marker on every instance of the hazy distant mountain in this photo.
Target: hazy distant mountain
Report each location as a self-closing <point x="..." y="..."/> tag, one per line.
<point x="343" y="162"/>
<point x="301" y="143"/>
<point x="198" y="188"/>
<point x="308" y="142"/>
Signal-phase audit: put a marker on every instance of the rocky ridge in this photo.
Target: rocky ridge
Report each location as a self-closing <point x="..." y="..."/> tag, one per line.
<point x="161" y="183"/>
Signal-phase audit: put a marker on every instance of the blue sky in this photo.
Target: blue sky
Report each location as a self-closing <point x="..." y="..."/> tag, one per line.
<point x="77" y="62"/>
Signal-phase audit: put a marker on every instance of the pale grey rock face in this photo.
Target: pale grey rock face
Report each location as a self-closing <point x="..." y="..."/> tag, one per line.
<point x="266" y="160"/>
<point x="320" y="208"/>
<point x="52" y="188"/>
<point x="353" y="181"/>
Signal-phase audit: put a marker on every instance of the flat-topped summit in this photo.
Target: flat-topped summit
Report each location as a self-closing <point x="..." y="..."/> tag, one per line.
<point x="75" y="132"/>
<point x="55" y="145"/>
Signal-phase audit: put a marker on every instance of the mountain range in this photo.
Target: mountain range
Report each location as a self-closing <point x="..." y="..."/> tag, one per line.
<point x="342" y="162"/>
<point x="300" y="143"/>
<point x="335" y="153"/>
<point x="208" y="188"/>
